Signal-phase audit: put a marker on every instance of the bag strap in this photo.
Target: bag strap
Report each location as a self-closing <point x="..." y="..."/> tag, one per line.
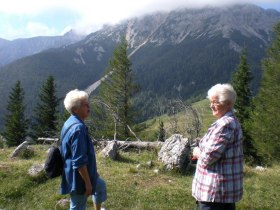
<point x="66" y="132"/>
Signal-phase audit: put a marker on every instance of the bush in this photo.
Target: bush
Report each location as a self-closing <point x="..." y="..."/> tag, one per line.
<point x="27" y="153"/>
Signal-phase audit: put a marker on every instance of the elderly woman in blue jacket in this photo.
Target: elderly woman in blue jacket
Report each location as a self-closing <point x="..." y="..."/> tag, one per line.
<point x="80" y="178"/>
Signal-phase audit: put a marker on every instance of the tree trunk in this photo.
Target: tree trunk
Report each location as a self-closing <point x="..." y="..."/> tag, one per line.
<point x="133" y="144"/>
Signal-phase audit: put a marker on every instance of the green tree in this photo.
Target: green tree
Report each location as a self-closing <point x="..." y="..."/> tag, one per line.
<point x="116" y="92"/>
<point x="241" y="83"/>
<point x="265" y="119"/>
<point x="161" y="133"/>
<point x="46" y="119"/>
<point x="15" y="125"/>
<point x="62" y="117"/>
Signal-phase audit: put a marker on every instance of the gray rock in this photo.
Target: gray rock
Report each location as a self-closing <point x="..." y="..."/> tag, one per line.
<point x="36" y="170"/>
<point x="111" y="150"/>
<point x="63" y="203"/>
<point x="149" y="164"/>
<point x="175" y="152"/>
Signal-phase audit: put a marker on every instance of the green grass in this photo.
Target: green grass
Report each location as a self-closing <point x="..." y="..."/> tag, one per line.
<point x="129" y="187"/>
<point x="149" y="128"/>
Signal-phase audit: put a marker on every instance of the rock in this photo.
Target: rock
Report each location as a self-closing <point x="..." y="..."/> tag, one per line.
<point x="111" y="150"/>
<point x="149" y="164"/>
<point x="260" y="168"/>
<point x="156" y="171"/>
<point x="36" y="170"/>
<point x="63" y="203"/>
<point x="175" y="152"/>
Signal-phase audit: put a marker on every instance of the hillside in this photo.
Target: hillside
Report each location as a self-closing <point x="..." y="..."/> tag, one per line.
<point x="131" y="184"/>
<point x="176" y="54"/>
<point x="148" y="129"/>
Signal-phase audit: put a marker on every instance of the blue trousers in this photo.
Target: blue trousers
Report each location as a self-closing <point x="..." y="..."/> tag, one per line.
<point x="216" y="206"/>
<point x="78" y="202"/>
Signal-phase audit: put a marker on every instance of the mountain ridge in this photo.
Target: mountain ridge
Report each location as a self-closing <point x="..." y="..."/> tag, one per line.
<point x="174" y="54"/>
<point x="12" y="50"/>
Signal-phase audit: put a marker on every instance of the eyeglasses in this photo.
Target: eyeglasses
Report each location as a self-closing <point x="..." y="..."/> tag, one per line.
<point x="215" y="103"/>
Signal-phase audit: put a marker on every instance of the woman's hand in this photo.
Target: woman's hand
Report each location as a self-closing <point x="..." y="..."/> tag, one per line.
<point x="196" y="152"/>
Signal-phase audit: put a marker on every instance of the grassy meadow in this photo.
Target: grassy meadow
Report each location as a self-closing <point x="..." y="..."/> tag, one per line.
<point x="132" y="184"/>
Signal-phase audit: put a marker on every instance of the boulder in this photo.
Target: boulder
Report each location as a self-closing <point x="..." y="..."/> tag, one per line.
<point x="111" y="150"/>
<point x="174" y="153"/>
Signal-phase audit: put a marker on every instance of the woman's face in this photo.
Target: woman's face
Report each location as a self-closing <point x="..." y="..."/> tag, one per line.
<point x="218" y="109"/>
<point x="84" y="110"/>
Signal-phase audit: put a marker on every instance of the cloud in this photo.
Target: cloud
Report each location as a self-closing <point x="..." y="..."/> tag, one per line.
<point x="112" y="11"/>
<point x="35" y="28"/>
<point x="31" y="29"/>
<point x="112" y="7"/>
<point x="47" y="17"/>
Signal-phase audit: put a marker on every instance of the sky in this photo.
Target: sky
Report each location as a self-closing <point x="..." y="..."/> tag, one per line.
<point x="30" y="18"/>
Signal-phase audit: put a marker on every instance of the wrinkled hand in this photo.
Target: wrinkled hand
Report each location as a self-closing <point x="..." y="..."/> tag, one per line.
<point x="88" y="189"/>
<point x="196" y="152"/>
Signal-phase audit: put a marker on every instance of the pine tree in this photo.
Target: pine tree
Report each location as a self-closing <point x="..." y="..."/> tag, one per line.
<point x="265" y="120"/>
<point x="241" y="83"/>
<point x="117" y="90"/>
<point x="62" y="117"/>
<point x="45" y="120"/>
<point x="15" y="125"/>
<point x="161" y="132"/>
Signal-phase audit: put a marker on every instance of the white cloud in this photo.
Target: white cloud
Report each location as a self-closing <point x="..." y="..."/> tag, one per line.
<point x="27" y="7"/>
<point x="120" y="6"/>
<point x="91" y="14"/>
<point x="31" y="30"/>
<point x="112" y="11"/>
<point x="35" y="28"/>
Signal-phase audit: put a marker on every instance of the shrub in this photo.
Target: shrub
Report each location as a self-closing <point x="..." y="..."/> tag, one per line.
<point x="27" y="153"/>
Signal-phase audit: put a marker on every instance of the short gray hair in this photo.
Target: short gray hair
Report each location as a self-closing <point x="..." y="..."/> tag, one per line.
<point x="73" y="99"/>
<point x="224" y="92"/>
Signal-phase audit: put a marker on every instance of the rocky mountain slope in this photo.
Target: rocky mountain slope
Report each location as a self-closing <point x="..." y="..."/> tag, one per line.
<point x="174" y="54"/>
<point x="19" y="48"/>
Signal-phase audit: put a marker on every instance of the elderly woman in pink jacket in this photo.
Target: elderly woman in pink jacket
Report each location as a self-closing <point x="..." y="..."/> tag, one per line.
<point x="218" y="180"/>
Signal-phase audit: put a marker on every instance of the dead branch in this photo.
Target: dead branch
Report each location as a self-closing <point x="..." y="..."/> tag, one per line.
<point x="136" y="144"/>
<point x="131" y="131"/>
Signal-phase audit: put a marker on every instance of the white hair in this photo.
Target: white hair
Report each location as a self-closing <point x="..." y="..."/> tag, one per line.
<point x="224" y="92"/>
<point x="73" y="99"/>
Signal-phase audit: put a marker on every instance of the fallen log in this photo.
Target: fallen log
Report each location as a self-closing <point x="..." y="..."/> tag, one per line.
<point x="19" y="148"/>
<point x="50" y="140"/>
<point x="132" y="144"/>
<point x="121" y="144"/>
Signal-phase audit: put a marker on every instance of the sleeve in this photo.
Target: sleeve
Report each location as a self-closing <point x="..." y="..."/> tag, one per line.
<point x="79" y="149"/>
<point x="216" y="145"/>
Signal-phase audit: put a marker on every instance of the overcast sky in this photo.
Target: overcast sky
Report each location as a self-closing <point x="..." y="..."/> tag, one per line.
<point x="29" y="18"/>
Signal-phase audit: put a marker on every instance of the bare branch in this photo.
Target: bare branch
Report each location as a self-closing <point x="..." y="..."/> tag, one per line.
<point x="131" y="131"/>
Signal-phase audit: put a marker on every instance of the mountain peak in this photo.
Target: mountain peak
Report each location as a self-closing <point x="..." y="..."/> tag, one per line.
<point x="174" y="54"/>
